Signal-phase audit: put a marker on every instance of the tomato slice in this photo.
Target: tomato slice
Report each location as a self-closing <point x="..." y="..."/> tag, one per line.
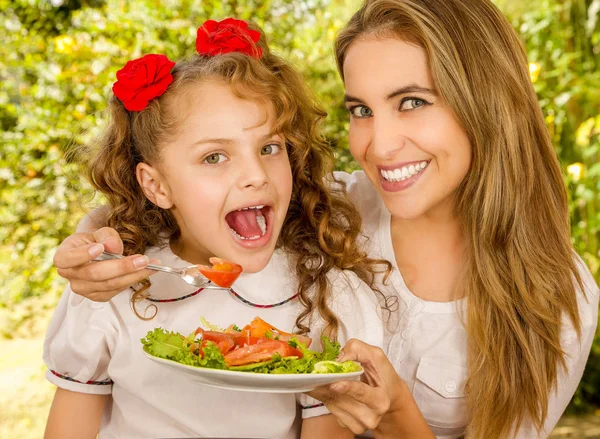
<point x="258" y="328"/>
<point x="223" y="341"/>
<point x="223" y="273"/>
<point x="261" y="351"/>
<point x="234" y="338"/>
<point x="247" y="339"/>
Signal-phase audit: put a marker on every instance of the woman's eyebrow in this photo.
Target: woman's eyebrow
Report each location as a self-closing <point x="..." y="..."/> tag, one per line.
<point x="348" y="98"/>
<point x="411" y="88"/>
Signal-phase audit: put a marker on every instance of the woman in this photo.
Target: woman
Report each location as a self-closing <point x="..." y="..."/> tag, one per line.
<point x="462" y="190"/>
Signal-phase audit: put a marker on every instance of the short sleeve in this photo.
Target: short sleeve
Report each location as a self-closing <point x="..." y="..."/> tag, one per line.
<point x="359" y="313"/>
<point x="76" y="348"/>
<point x="577" y="350"/>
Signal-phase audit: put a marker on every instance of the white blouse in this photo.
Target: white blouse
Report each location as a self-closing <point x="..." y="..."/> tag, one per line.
<point x="94" y="347"/>
<point x="427" y="344"/>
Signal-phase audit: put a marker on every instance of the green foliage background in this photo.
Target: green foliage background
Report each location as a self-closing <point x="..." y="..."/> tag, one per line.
<point x="58" y="60"/>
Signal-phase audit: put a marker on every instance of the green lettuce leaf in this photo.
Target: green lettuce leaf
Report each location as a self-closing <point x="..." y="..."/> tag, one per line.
<point x="173" y="346"/>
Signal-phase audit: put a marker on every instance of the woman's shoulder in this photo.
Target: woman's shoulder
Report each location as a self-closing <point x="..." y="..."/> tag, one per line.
<point x="358" y="185"/>
<point x="588" y="297"/>
<point x="365" y="197"/>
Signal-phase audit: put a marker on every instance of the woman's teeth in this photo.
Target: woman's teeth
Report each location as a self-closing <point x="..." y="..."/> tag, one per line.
<point x="404" y="172"/>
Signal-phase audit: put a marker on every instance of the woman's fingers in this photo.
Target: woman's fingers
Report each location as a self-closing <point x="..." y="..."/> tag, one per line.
<point x="355" y="404"/>
<point x="348" y="421"/>
<point x="111" y="240"/>
<point x="103" y="271"/>
<point x="362" y="352"/>
<point x="66" y="258"/>
<point x="371" y="399"/>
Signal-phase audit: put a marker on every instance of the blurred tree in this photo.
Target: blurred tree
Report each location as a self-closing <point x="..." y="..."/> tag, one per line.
<point x="58" y="61"/>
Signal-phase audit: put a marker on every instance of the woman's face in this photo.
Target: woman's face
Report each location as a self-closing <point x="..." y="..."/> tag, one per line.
<point x="405" y="138"/>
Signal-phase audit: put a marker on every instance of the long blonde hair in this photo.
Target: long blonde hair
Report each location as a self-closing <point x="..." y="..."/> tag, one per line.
<point x="321" y="227"/>
<point x="512" y="204"/>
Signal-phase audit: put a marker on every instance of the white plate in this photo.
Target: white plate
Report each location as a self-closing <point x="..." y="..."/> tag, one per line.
<point x="256" y="382"/>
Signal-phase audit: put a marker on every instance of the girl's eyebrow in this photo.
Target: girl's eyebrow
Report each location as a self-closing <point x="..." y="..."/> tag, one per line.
<point x="223" y="141"/>
<point x="411" y="88"/>
<point x="217" y="141"/>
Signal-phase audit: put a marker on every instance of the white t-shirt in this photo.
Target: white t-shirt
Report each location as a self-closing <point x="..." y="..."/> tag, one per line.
<point x="427" y="343"/>
<point x="94" y="347"/>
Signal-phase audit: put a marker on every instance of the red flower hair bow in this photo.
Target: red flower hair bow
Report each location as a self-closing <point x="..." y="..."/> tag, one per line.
<point x="229" y="35"/>
<point x="143" y="79"/>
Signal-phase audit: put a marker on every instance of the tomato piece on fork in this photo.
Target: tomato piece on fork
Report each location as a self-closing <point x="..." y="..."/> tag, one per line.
<point x="222" y="273"/>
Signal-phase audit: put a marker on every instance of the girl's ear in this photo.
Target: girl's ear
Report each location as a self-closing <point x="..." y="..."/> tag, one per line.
<point x="154" y="185"/>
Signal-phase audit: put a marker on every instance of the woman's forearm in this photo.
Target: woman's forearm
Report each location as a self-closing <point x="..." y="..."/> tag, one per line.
<point x="404" y="420"/>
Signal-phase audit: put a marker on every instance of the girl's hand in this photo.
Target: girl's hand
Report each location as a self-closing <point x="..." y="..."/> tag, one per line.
<point x="98" y="281"/>
<point x="381" y="401"/>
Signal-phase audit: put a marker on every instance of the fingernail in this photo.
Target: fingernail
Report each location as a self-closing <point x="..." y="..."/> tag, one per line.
<point x="95" y="250"/>
<point x="141" y="261"/>
<point x="107" y="240"/>
<point x="338" y="387"/>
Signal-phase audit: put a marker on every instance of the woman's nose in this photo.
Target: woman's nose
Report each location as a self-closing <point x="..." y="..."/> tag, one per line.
<point x="387" y="137"/>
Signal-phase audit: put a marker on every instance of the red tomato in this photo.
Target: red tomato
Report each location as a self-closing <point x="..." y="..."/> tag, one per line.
<point x="223" y="341"/>
<point x="262" y="351"/>
<point x="247" y="339"/>
<point x="223" y="273"/>
<point x="258" y="328"/>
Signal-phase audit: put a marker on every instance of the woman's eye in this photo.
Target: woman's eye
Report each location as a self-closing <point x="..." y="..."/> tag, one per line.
<point x="412" y="103"/>
<point x="361" y="111"/>
<point x="270" y="149"/>
<point x="215" y="158"/>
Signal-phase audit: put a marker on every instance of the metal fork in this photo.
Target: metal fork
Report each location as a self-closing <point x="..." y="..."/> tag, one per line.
<point x="189" y="274"/>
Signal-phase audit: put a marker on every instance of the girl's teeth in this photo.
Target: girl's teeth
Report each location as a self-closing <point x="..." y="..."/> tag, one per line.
<point x="238" y="236"/>
<point x="403" y="173"/>
<point x="262" y="224"/>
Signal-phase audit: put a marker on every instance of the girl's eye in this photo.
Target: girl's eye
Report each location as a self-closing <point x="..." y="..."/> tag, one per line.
<point x="270" y="149"/>
<point x="215" y="158"/>
<point x="412" y="103"/>
<point x="361" y="111"/>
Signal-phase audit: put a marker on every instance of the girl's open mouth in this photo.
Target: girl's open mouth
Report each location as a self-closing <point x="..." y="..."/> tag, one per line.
<point x="251" y="226"/>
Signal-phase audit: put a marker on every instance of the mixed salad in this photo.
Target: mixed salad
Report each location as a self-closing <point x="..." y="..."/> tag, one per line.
<point x="257" y="347"/>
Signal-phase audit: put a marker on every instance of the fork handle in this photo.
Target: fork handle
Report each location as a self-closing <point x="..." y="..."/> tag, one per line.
<point x="107" y="256"/>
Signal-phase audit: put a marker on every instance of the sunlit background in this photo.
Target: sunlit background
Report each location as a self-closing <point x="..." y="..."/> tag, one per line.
<point x="57" y="63"/>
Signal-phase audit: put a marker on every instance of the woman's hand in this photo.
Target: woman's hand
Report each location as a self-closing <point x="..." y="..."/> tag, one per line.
<point x="381" y="401"/>
<point x="98" y="281"/>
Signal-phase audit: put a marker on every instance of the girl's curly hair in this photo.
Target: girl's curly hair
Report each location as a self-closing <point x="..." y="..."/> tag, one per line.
<point x="322" y="227"/>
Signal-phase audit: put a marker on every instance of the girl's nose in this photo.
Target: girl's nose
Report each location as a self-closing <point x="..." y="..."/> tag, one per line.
<point x="253" y="174"/>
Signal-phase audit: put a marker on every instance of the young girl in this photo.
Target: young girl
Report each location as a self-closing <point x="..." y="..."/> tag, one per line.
<point x="217" y="155"/>
<point x="462" y="189"/>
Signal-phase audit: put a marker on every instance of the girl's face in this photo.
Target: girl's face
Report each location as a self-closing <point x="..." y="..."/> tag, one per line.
<point x="226" y="177"/>
<point x="407" y="141"/>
